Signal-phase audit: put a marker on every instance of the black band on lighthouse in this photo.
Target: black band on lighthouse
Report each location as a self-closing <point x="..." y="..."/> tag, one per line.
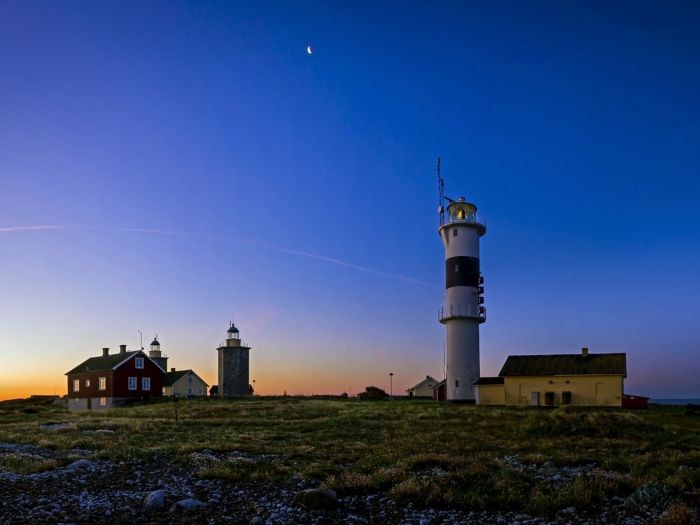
<point x="462" y="271"/>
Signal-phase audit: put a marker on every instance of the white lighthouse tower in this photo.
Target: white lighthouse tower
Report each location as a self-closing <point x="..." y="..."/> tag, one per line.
<point x="460" y="230"/>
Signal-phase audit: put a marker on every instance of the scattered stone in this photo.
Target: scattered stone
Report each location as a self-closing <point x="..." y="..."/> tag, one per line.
<point x="56" y="426"/>
<point x="316" y="499"/>
<point x="155" y="499"/>
<point x="655" y="495"/>
<point x="79" y="464"/>
<point x="189" y="504"/>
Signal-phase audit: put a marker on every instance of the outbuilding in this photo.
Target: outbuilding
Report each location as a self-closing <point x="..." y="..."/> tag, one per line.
<point x="184" y="383"/>
<point x="489" y="391"/>
<point x="424" y="389"/>
<point x="583" y="379"/>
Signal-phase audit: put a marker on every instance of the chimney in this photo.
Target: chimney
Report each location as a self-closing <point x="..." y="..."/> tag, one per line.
<point x="172" y="369"/>
<point x="105" y="352"/>
<point x="584" y="352"/>
<point x="122" y="349"/>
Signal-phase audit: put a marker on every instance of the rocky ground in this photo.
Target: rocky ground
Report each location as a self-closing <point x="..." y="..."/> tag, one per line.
<point x="158" y="490"/>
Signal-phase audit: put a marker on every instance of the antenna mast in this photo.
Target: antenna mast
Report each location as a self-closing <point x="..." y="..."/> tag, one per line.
<point x="441" y="190"/>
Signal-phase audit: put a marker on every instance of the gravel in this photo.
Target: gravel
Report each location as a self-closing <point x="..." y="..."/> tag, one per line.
<point x="156" y="490"/>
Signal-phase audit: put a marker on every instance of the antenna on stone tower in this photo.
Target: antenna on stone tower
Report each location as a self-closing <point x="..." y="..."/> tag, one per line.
<point x="441" y="190"/>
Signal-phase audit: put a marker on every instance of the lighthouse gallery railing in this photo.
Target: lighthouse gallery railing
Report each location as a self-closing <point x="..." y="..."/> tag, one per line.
<point x="461" y="310"/>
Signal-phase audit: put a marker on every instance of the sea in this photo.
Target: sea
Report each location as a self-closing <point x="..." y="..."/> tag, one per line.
<point x="695" y="401"/>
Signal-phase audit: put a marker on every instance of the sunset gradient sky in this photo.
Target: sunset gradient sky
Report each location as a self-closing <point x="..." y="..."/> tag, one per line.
<point x="168" y="166"/>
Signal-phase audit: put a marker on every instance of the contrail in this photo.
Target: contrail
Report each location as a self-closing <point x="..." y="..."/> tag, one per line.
<point x="282" y="249"/>
<point x="30" y="228"/>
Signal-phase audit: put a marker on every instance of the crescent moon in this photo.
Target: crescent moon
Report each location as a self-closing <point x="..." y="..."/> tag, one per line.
<point x="308" y="50"/>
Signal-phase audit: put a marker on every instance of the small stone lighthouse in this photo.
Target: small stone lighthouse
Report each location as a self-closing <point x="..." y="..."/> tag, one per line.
<point x="234" y="375"/>
<point x="157" y="355"/>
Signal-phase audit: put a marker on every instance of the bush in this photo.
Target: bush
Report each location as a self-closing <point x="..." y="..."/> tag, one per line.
<point x="373" y="392"/>
<point x="678" y="514"/>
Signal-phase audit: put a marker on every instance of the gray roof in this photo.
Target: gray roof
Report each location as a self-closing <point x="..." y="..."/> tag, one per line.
<point x="426" y="380"/>
<point x="107" y="362"/>
<point x="173" y="377"/>
<point x="565" y="364"/>
<point x="488" y="381"/>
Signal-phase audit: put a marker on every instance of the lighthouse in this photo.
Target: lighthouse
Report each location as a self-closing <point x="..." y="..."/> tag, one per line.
<point x="463" y="312"/>
<point x="233" y="365"/>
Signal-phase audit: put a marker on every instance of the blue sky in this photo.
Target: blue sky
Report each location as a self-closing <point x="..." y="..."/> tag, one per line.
<point x="573" y="126"/>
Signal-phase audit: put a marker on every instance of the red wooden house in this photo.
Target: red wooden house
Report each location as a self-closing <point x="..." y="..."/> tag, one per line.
<point x="112" y="380"/>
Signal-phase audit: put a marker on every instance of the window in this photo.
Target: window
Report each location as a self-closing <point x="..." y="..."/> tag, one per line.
<point x="132" y="383"/>
<point x="145" y="383"/>
<point x="189" y="379"/>
<point x="566" y="398"/>
<point x="139" y="362"/>
<point x="87" y="383"/>
<point x="454" y="232"/>
<point x="456" y="383"/>
<point x="200" y="392"/>
<point x="549" y="399"/>
<point x="103" y="383"/>
<point x="456" y="268"/>
<point x="189" y="391"/>
<point x="103" y="401"/>
<point x="76" y="385"/>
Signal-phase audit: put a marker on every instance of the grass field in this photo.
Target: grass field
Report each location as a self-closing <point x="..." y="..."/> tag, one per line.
<point x="430" y="453"/>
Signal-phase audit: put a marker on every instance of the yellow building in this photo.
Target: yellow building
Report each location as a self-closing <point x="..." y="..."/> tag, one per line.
<point x="489" y="391"/>
<point x="184" y="383"/>
<point x="561" y="379"/>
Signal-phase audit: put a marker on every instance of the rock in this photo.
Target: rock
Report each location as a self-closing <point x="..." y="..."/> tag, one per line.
<point x="81" y="463"/>
<point x="154" y="500"/>
<point x="316" y="499"/>
<point x="189" y="504"/>
<point x="257" y="520"/>
<point x="656" y="495"/>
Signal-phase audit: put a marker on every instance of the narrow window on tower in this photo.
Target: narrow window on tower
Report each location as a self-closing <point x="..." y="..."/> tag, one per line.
<point x="454" y="232"/>
<point x="456" y="268"/>
<point x="456" y="383"/>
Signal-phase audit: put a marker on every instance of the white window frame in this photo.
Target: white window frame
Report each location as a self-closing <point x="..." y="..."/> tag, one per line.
<point x="103" y="383"/>
<point x="138" y="362"/>
<point x="145" y="383"/>
<point x="76" y="385"/>
<point x="103" y="401"/>
<point x="87" y="383"/>
<point x="133" y="383"/>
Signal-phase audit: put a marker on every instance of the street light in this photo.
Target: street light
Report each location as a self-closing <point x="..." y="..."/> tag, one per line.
<point x="391" y="385"/>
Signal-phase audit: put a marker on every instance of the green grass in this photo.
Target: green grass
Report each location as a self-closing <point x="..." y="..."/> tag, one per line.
<point x="421" y="451"/>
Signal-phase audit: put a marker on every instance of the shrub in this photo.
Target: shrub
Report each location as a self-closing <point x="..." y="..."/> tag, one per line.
<point x="373" y="392"/>
<point x="678" y="514"/>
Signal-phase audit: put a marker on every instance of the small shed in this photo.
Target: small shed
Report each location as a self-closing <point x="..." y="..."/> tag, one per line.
<point x="424" y="389"/>
<point x="635" y="402"/>
<point x="489" y="391"/>
<point x="440" y="391"/>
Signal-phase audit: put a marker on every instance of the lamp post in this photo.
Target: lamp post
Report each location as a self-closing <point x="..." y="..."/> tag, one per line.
<point x="391" y="385"/>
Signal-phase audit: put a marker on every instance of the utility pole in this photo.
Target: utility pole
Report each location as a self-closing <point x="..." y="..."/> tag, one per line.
<point x="391" y="385"/>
